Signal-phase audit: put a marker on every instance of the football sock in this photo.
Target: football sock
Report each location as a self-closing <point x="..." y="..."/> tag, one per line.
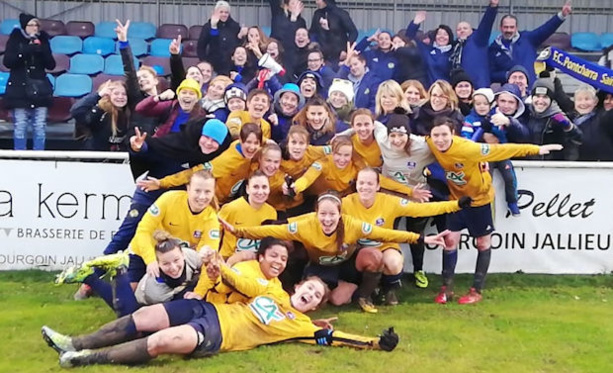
<point x="124" y="301"/>
<point x="450" y="258"/>
<point x="417" y="254"/>
<point x="133" y="352"/>
<point x="370" y="281"/>
<point x="483" y="264"/>
<point x="116" y="331"/>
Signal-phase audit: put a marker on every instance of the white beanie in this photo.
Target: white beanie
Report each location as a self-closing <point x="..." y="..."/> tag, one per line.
<point x="487" y="92"/>
<point x="343" y="86"/>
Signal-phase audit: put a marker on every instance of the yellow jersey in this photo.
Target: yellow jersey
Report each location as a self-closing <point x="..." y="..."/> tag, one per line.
<point x="295" y="169"/>
<point x="321" y="248"/>
<point x="171" y="213"/>
<point x="240" y="214"/>
<point x="236" y="120"/>
<point x="388" y="208"/>
<point x="371" y="154"/>
<point x="465" y="170"/>
<point x="229" y="169"/>
<point x="269" y="317"/>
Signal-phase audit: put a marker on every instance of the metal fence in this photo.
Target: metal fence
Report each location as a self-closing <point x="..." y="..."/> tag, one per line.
<point x="589" y="15"/>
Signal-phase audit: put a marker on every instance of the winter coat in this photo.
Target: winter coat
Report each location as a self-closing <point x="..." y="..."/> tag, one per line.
<point x="424" y="116"/>
<point x="227" y="33"/>
<point x="295" y="61"/>
<point x="281" y="26"/>
<point x="544" y="129"/>
<point x="411" y="65"/>
<point x="27" y="59"/>
<point x="522" y="51"/>
<point x="382" y="64"/>
<point x="436" y="59"/>
<point x="166" y="109"/>
<point x="341" y="30"/>
<point x="365" y="95"/>
<point x="597" y="128"/>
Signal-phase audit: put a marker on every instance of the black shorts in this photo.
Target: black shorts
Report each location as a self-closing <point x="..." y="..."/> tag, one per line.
<point x="208" y="331"/>
<point x="478" y="220"/>
<point x="331" y="275"/>
<point x="137" y="268"/>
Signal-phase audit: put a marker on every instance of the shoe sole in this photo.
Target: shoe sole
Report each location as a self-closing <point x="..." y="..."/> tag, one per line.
<point x="50" y="342"/>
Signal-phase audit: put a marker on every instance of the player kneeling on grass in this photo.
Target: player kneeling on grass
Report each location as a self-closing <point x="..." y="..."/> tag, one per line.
<point x="270" y="316"/>
<point x="465" y="166"/>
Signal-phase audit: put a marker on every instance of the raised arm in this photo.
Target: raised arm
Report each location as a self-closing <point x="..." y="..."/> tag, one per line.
<point x="484" y="30"/>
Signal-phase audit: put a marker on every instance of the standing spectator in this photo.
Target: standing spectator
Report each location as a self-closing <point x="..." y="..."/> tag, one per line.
<point x="28" y="91"/>
<point x="332" y="28"/>
<point x="381" y="59"/>
<point x="315" y="62"/>
<point x="438" y="53"/>
<point x="415" y="93"/>
<point x="512" y="47"/>
<point x="340" y="99"/>
<point x="411" y="64"/>
<point x="470" y="50"/>
<point x="227" y="30"/>
<point x="519" y="76"/>
<point x="463" y="87"/>
<point x="286" y="19"/>
<point x="365" y="83"/>
<point x="389" y="97"/>
<point x="595" y="123"/>
<point x="295" y="59"/>
<point x="442" y="102"/>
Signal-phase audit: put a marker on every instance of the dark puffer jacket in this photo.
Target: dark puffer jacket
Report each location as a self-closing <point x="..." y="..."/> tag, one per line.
<point x="548" y="128"/>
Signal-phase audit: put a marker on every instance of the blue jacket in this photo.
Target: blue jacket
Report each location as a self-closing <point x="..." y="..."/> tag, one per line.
<point x="522" y="50"/>
<point x="382" y="64"/>
<point x="437" y="62"/>
<point x="475" y="52"/>
<point x="367" y="91"/>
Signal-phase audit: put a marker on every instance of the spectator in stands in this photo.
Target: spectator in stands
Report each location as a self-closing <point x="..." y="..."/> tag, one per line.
<point x="286" y="19"/>
<point x="255" y="44"/>
<point x="389" y="97"/>
<point x="228" y="32"/>
<point x="288" y="101"/>
<point x="470" y="51"/>
<point x="106" y="114"/>
<point x="463" y="87"/>
<point x="411" y="64"/>
<point x="235" y="97"/>
<point x="415" y="93"/>
<point x="177" y="112"/>
<point x="519" y="76"/>
<point x="317" y="117"/>
<point x="296" y="55"/>
<point x="512" y="47"/>
<point x="442" y="102"/>
<point x="365" y="83"/>
<point x="340" y="99"/>
<point x="213" y="102"/>
<point x="510" y="104"/>
<point x="381" y="59"/>
<point x="310" y="84"/>
<point x="436" y="55"/>
<point x="549" y="125"/>
<point x="240" y="69"/>
<point x="332" y="28"/>
<point x="178" y="72"/>
<point x="596" y="125"/>
<point x="28" y="92"/>
<point x="315" y="62"/>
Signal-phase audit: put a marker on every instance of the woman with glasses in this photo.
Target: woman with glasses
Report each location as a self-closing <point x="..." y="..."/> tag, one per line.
<point x="443" y="102"/>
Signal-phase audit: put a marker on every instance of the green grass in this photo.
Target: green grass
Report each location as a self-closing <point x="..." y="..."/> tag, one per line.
<point x="527" y="323"/>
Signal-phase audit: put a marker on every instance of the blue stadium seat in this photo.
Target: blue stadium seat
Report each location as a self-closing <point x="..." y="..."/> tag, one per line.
<point x="51" y="80"/>
<point x="73" y="85"/>
<point x="98" y="45"/>
<point x="606" y="40"/>
<point x="142" y="30"/>
<point x="88" y="64"/>
<point x="106" y="30"/>
<point x="4" y="78"/>
<point x="159" y="48"/>
<point x="585" y="41"/>
<point x="139" y="47"/>
<point x="7" y="25"/>
<point x="160" y="64"/>
<point x="66" y="44"/>
<point x="266" y="30"/>
<point x="114" y="66"/>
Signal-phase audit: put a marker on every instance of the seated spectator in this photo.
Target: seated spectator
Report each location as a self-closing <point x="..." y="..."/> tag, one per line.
<point x="28" y="92"/>
<point x="106" y="115"/>
<point x="227" y="32"/>
<point x="332" y="28"/>
<point x="549" y="125"/>
<point x="595" y="124"/>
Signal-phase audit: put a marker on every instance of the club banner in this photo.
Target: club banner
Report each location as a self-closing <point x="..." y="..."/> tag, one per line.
<point x="588" y="72"/>
<point x="62" y="213"/>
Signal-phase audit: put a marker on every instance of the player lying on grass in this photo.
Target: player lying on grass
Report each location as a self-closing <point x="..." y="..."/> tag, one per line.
<point x="200" y="329"/>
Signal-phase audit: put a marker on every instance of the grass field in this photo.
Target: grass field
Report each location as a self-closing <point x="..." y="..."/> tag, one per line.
<point x="527" y="323"/>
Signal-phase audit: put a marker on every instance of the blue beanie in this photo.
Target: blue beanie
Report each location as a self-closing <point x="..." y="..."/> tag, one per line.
<point x="292" y="88"/>
<point x="215" y="129"/>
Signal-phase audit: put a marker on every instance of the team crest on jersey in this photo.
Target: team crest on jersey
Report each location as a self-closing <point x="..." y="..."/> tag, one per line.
<point x="456" y="177"/>
<point x="316" y="165"/>
<point x="197" y="234"/>
<point x="404" y="202"/>
<point x="133" y="213"/>
<point x="411" y="164"/>
<point x="459" y="165"/>
<point x="485" y="149"/>
<point x="379" y="222"/>
<point x="366" y="228"/>
<point x="292" y="227"/>
<point x="154" y="210"/>
<point x="207" y="166"/>
<point x="391" y="65"/>
<point x="367" y="91"/>
<point x="214" y="234"/>
<point x="290" y="315"/>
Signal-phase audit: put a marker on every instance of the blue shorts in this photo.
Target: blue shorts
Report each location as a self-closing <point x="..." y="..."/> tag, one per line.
<point x="478" y="220"/>
<point x="331" y="275"/>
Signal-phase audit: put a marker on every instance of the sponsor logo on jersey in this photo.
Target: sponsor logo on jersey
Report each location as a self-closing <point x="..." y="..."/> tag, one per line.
<point x="214" y="234"/>
<point x="266" y="310"/>
<point x="485" y="149"/>
<point x="456" y="177"/>
<point x="316" y="165"/>
<point x="154" y="210"/>
<point x="404" y="202"/>
<point x="366" y="228"/>
<point x="292" y="227"/>
<point x="207" y="166"/>
<point x="364" y="242"/>
<point x="245" y="244"/>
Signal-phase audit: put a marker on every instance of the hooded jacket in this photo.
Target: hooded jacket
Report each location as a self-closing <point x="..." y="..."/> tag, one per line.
<point x="341" y="30"/>
<point x="544" y="129"/>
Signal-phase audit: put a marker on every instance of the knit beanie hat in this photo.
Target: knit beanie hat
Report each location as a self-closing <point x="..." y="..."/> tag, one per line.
<point x="215" y="129"/>
<point x="543" y="86"/>
<point x="486" y="92"/>
<point x="291" y="88"/>
<point x="190" y="83"/>
<point x="343" y="86"/>
<point x="238" y="90"/>
<point x="24" y="18"/>
<point x="521" y="69"/>
<point x="399" y="122"/>
<point x="313" y="75"/>
<point x="458" y="76"/>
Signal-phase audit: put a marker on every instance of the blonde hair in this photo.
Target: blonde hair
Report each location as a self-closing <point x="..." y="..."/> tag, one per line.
<point x="226" y="81"/>
<point x="584" y="88"/>
<point x="149" y="69"/>
<point x="105" y="103"/>
<point x="420" y="87"/>
<point x="452" y="98"/>
<point x="392" y="88"/>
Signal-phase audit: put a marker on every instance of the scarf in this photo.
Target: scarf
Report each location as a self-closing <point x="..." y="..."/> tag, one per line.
<point x="174" y="282"/>
<point x="211" y="105"/>
<point x="456" y="54"/>
<point x="442" y="49"/>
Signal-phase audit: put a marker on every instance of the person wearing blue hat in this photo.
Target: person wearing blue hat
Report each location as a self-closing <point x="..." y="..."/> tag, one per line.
<point x="287" y="102"/>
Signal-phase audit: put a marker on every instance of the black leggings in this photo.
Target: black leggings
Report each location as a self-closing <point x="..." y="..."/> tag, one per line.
<point x="416" y="225"/>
